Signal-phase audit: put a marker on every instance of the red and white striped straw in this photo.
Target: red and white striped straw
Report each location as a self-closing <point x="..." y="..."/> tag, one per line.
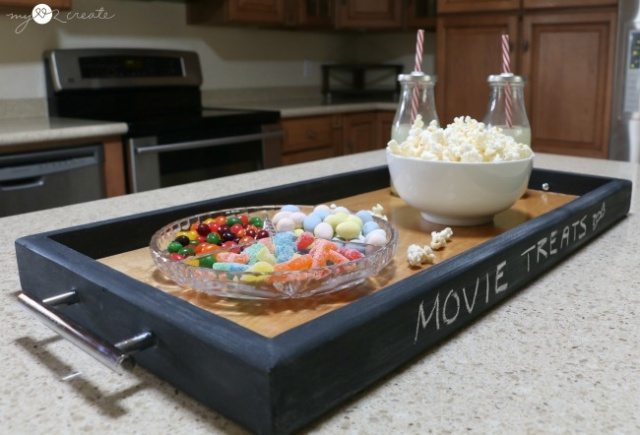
<point x="415" y="98"/>
<point x="506" y="68"/>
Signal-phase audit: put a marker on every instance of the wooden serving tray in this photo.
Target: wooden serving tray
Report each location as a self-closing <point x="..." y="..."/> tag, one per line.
<point x="270" y="318"/>
<point x="274" y="366"/>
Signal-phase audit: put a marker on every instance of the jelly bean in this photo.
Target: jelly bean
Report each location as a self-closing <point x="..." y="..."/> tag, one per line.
<point x="214" y="238"/>
<point x="348" y="229"/>
<point x="207" y="261"/>
<point x="214" y="227"/>
<point x="186" y="251"/>
<point x="256" y="221"/>
<point x="235" y="228"/>
<point x="232" y="220"/>
<point x="203" y="229"/>
<point x="194" y="242"/>
<point x="174" y="246"/>
<point x="220" y="220"/>
<point x="377" y="237"/>
<point x="207" y="221"/>
<point x="262" y="234"/>
<point x="192" y="235"/>
<point x="304" y="240"/>
<point x="311" y="221"/>
<point x="229" y="244"/>
<point x="183" y="240"/>
<point x="369" y="226"/>
<point x="365" y="216"/>
<point x="194" y="226"/>
<point x="175" y="256"/>
<point x="250" y="232"/>
<point x="323" y="230"/>
<point x="246" y="239"/>
<point x="290" y="208"/>
<point x="223" y="229"/>
<point x="228" y="235"/>
<point x="245" y="219"/>
<point x="285" y="224"/>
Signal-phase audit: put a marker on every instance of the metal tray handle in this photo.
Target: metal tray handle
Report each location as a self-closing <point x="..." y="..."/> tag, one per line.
<point x="115" y="356"/>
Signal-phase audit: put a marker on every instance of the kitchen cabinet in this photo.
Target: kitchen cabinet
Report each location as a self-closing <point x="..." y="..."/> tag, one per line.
<point x="368" y="14"/>
<point x="319" y="137"/>
<point x="53" y="4"/>
<point x="567" y="57"/>
<point x="310" y="13"/>
<point x="569" y="103"/>
<point x="448" y="6"/>
<point x="542" y="4"/>
<point x="310" y="138"/>
<point x="421" y="14"/>
<point x="468" y="50"/>
<point x="258" y="12"/>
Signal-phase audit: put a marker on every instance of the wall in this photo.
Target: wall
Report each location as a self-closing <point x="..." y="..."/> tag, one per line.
<point x="231" y="57"/>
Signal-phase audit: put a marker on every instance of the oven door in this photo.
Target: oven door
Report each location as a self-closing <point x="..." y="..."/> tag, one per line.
<point x="153" y="165"/>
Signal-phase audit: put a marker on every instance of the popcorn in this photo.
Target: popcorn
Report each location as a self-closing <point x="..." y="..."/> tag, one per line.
<point x="440" y="239"/>
<point x="465" y="140"/>
<point x="417" y="255"/>
<point x="378" y="211"/>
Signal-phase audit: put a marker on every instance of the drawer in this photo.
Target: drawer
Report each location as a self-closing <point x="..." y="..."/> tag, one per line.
<point x="307" y="133"/>
<point x="308" y="155"/>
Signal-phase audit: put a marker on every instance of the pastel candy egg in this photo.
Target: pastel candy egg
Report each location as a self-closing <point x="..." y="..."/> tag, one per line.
<point x="344" y="210"/>
<point x="298" y="218"/>
<point x="365" y="216"/>
<point x="369" y="226"/>
<point x="322" y="210"/>
<point x="298" y="231"/>
<point x="311" y="221"/>
<point x="323" y="230"/>
<point x="348" y="229"/>
<point x="377" y="237"/>
<point x="356" y="219"/>
<point x="281" y="214"/>
<point x="285" y="224"/>
<point x="291" y="208"/>
<point x="332" y="220"/>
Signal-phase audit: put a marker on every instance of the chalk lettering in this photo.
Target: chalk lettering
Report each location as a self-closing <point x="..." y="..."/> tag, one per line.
<point x="583" y="227"/>
<point x="450" y="320"/>
<point x="422" y="321"/>
<point x="597" y="217"/>
<point x="540" y="251"/>
<point x="499" y="274"/>
<point x="552" y="242"/>
<point x="529" y="249"/>
<point x="565" y="237"/>
<point x="486" y="289"/>
<point x="473" y="301"/>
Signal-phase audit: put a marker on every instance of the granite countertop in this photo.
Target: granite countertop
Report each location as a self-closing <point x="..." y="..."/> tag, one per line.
<point x="44" y="129"/>
<point x="298" y="107"/>
<point x="560" y="356"/>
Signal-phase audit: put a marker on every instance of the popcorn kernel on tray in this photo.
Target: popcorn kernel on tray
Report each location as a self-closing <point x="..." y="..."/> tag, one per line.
<point x="465" y="140"/>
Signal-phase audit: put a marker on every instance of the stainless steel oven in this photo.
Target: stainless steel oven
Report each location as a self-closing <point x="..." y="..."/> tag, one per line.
<point x="172" y="139"/>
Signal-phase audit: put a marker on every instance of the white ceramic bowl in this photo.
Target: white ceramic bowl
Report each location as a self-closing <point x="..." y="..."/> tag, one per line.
<point x="453" y="193"/>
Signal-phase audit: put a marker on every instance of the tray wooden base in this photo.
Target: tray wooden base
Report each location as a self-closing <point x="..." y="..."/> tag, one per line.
<point x="273" y="317"/>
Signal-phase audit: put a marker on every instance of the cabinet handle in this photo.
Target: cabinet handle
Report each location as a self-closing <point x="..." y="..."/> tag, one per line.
<point x="311" y="135"/>
<point x="525" y="46"/>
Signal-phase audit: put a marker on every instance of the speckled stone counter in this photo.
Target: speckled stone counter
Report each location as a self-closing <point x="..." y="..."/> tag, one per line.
<point x="294" y="108"/>
<point x="561" y="356"/>
<point x="44" y="129"/>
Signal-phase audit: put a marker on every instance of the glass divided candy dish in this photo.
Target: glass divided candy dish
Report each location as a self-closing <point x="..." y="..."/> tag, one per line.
<point x="191" y="272"/>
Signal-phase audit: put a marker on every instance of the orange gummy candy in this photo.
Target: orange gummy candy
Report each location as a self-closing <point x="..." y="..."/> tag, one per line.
<point x="301" y="262"/>
<point x="231" y="257"/>
<point x="336" y="257"/>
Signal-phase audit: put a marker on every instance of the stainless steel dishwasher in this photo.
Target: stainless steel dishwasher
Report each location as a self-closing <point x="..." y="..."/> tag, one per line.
<point x="43" y="179"/>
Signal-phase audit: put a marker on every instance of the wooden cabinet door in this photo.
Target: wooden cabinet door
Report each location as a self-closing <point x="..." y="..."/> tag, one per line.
<point x="568" y="59"/>
<point x="53" y="4"/>
<point x="368" y="14"/>
<point x="256" y="11"/>
<point x="312" y="13"/>
<point x="421" y="13"/>
<point x="310" y="138"/>
<point x="359" y="132"/>
<point x="542" y="4"/>
<point x="385" y="119"/>
<point x="446" y="6"/>
<point x="468" y="51"/>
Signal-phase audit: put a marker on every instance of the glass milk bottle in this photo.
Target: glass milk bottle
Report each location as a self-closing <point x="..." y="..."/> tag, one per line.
<point x="515" y="123"/>
<point x="417" y="89"/>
